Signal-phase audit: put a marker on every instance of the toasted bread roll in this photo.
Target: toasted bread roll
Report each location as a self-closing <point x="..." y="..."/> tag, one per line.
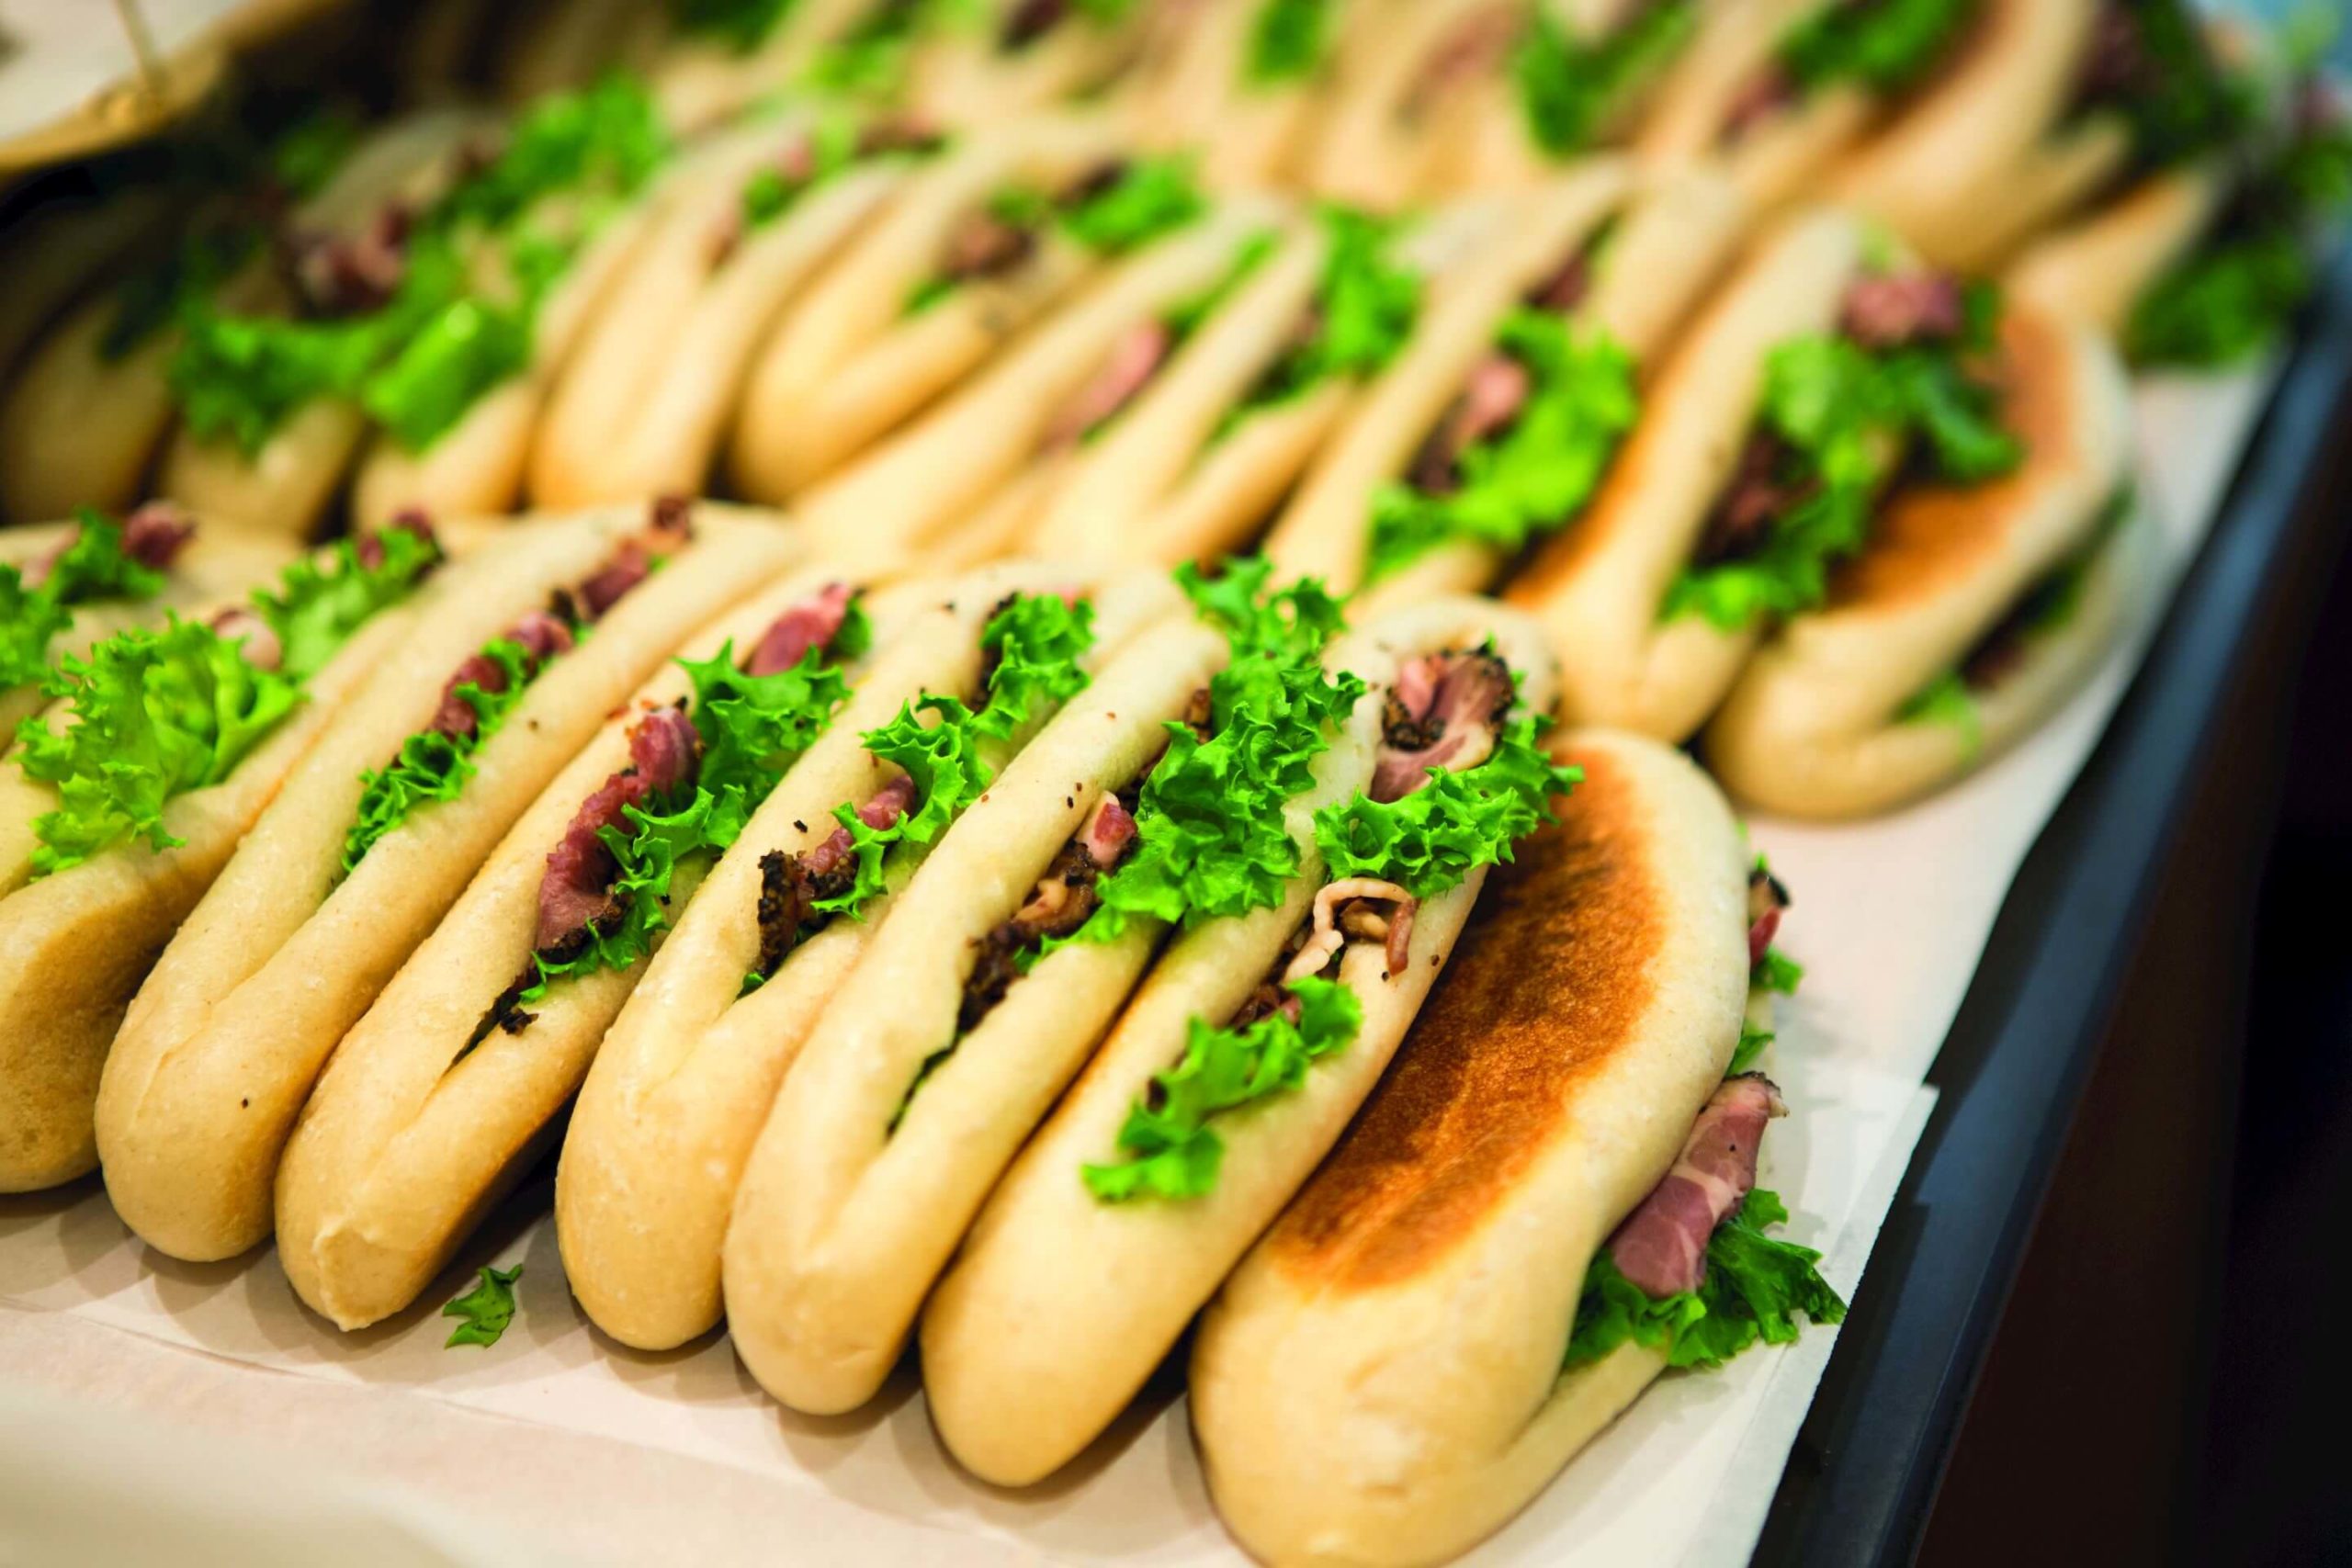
<point x="855" y="360"/>
<point x="76" y="942"/>
<point x="879" y="1148"/>
<point x="2010" y="592"/>
<point x="667" y="1117"/>
<point x="86" y="414"/>
<point x="643" y="407"/>
<point x="1999" y="94"/>
<point x="286" y="484"/>
<point x="2097" y="269"/>
<point x="1060" y="1303"/>
<point x="448" y="1087"/>
<point x="1379" y="1382"/>
<point x="1662" y="243"/>
<point x="212" y="563"/>
<point x="295" y="940"/>
<point x="928" y="488"/>
<point x="1600" y="586"/>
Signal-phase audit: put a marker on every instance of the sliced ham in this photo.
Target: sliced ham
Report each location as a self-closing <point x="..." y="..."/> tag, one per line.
<point x="1490" y="403"/>
<point x="576" y="892"/>
<point x="539" y="635"/>
<point x="154" y="534"/>
<point x="1443" y="711"/>
<point x="257" y="638"/>
<point x="1766" y="899"/>
<point x="410" y="520"/>
<point x="1662" y="1245"/>
<point x="791" y="885"/>
<point x="1749" y="506"/>
<point x="669" y="530"/>
<point x="1126" y="371"/>
<point x="1892" y="310"/>
<point x="1064" y="900"/>
<point x="812" y="622"/>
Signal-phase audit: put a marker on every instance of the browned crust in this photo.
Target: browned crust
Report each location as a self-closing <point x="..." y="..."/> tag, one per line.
<point x="1549" y="981"/>
<point x="1928" y="536"/>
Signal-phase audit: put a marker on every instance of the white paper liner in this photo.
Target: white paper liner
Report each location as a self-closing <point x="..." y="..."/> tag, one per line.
<point x="1687" y="1475"/>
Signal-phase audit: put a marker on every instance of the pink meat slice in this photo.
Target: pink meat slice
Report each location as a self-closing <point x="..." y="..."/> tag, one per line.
<point x="1662" y="1245"/>
<point x="1442" y="711"/>
<point x="812" y="622"/>
<point x="541" y="637"/>
<point x="1133" y="361"/>
<point x="576" y="891"/>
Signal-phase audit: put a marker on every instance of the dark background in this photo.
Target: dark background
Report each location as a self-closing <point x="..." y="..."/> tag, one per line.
<point x="2169" y="1382"/>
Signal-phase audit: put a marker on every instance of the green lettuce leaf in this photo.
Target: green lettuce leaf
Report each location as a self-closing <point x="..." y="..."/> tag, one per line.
<point x="1846" y="418"/>
<point x="1288" y="41"/>
<point x="1755" y="1290"/>
<point x="430" y="765"/>
<point x="1211" y="838"/>
<point x="1778" y="973"/>
<point x="1945" y="700"/>
<point x="738" y="24"/>
<point x="1752" y="1044"/>
<point x="92" y="567"/>
<point x="2181" y="103"/>
<point x="1570" y="87"/>
<point x="1036" y="641"/>
<point x="1366" y="304"/>
<point x="315" y="608"/>
<point x="606" y="139"/>
<point x="1884" y="47"/>
<point x="486" y="1309"/>
<point x="1536" y="474"/>
<point x="153" y="715"/>
<point x="1430" y="839"/>
<point x="1170" y="1147"/>
<point x="1151" y="196"/>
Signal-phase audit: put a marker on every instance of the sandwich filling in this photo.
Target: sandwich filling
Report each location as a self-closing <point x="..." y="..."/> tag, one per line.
<point x="696" y="772"/>
<point x="811" y="159"/>
<point x="1905" y="388"/>
<point x="1365" y="305"/>
<point x="430" y="308"/>
<point x="157" y="714"/>
<point x="1574" y="91"/>
<point x="435" y="763"/>
<point x="1885" y="47"/>
<point x="1116" y="207"/>
<point x="101" y="561"/>
<point x="1456" y="779"/>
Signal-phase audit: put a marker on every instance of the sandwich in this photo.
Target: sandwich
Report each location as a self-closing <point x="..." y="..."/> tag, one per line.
<point x="975" y="248"/>
<point x="1499" y="419"/>
<point x="2226" y="174"/>
<point x="1907" y="107"/>
<point x="1968" y="616"/>
<point x="67" y="587"/>
<point x="90" y="410"/>
<point x="507" y="674"/>
<point x="1242" y="1056"/>
<point x="1199" y="419"/>
<point x="676" y="1096"/>
<point x="1449" y="95"/>
<point x="1831" y="371"/>
<point x="1550" y="1199"/>
<point x="989" y="60"/>
<point x="643" y="404"/>
<point x="1172" y="792"/>
<point x="55" y="249"/>
<point x="449" y="1085"/>
<point x="122" y="802"/>
<point x="964" y="481"/>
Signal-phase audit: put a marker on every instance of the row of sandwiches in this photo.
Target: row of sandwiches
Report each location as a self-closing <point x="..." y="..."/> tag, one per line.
<point x="1020" y="964"/>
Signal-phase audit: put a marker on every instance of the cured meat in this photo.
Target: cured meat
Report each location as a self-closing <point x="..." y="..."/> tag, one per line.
<point x="154" y="534"/>
<point x="1126" y="371"/>
<point x="1490" y="400"/>
<point x="1662" y="1245"/>
<point x="812" y="622"/>
<point x="1441" y="711"/>
<point x="1892" y="310"/>
<point x="539" y="635"/>
<point x="576" y="893"/>
<point x="1064" y="900"/>
<point x="791" y="885"/>
<point x="1350" y="907"/>
<point x="257" y="638"/>
<point x="1766" y="899"/>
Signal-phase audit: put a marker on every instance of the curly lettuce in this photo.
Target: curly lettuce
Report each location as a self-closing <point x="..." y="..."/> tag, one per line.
<point x="1037" y="641"/>
<point x="433" y="766"/>
<point x="1843" y="420"/>
<point x="1429" y="840"/>
<point x="153" y="715"/>
<point x="1289" y="40"/>
<point x="319" y="602"/>
<point x="1172" y="1147"/>
<point x="1152" y="197"/>
<point x="1755" y="1290"/>
<point x="93" y="566"/>
<point x="1366" y="304"/>
<point x="1570" y="87"/>
<point x="1536" y="473"/>
<point x="1211" y="838"/>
